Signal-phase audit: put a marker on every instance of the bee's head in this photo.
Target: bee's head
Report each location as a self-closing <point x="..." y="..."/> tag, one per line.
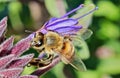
<point x="37" y="41"/>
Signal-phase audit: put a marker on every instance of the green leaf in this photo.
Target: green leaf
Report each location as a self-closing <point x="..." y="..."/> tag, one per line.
<point x="108" y="30"/>
<point x="2" y="6"/>
<point x="28" y="70"/>
<point x="57" y="70"/>
<point x="109" y="66"/>
<point x="88" y="74"/>
<point x="115" y="46"/>
<point x="55" y="7"/>
<point x="108" y="9"/>
<point x="14" y="11"/>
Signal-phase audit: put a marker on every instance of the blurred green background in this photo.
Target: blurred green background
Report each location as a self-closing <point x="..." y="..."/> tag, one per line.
<point x="103" y="61"/>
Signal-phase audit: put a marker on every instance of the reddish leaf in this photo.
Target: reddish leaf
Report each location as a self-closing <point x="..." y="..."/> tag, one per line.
<point x="6" y="46"/>
<point x="21" y="47"/>
<point x="21" y="62"/>
<point x="2" y="76"/>
<point x="3" y="25"/>
<point x="11" y="73"/>
<point x="6" y="60"/>
<point x="28" y="76"/>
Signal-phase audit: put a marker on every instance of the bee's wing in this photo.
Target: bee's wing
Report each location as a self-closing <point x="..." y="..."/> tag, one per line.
<point x="76" y="62"/>
<point x="85" y="20"/>
<point x="81" y="47"/>
<point x="74" y="59"/>
<point x="81" y="51"/>
<point x="84" y="34"/>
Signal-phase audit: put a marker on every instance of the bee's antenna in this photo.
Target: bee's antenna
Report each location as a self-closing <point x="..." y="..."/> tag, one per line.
<point x="28" y="31"/>
<point x="96" y="8"/>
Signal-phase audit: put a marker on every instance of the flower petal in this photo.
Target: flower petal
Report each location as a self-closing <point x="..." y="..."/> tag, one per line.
<point x="31" y="36"/>
<point x="71" y="29"/>
<point x="21" y="46"/>
<point x="11" y="73"/>
<point x="6" y="46"/>
<point x="52" y="20"/>
<point x="3" y="25"/>
<point x="42" y="70"/>
<point x="61" y="23"/>
<point x="28" y="76"/>
<point x="72" y="11"/>
<point x="21" y="62"/>
<point x="4" y="61"/>
<point x="44" y="31"/>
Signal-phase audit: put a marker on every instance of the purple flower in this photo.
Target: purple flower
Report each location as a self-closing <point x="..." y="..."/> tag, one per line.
<point x="11" y="64"/>
<point x="64" y="25"/>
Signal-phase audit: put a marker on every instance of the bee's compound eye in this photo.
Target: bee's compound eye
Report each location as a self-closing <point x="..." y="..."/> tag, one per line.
<point x="37" y="44"/>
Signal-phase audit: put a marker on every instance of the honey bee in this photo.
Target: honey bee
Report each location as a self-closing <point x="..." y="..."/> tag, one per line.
<point x="53" y="43"/>
<point x="38" y="44"/>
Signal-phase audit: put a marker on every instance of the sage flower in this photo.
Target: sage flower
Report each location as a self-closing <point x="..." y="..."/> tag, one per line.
<point x="65" y="25"/>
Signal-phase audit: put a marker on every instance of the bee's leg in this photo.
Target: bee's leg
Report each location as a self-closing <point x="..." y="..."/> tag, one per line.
<point x="46" y="60"/>
<point x="33" y="62"/>
<point x="41" y="62"/>
<point x="48" y="57"/>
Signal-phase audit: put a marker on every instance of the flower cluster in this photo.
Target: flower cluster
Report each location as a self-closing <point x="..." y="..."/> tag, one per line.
<point x="63" y="25"/>
<point x="11" y="64"/>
